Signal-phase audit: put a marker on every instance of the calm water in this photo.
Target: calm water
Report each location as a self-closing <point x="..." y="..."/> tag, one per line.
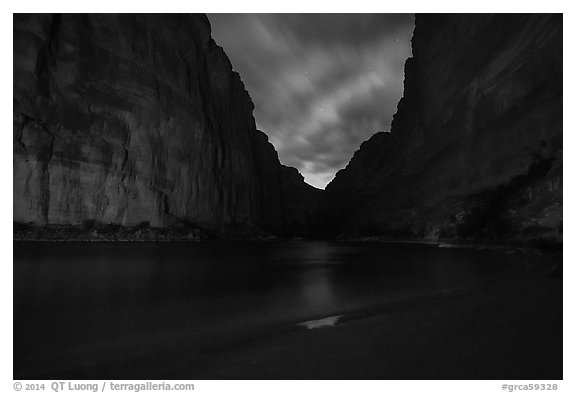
<point x="79" y="307"/>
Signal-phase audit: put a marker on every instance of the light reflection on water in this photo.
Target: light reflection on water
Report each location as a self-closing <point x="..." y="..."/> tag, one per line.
<point x="316" y="290"/>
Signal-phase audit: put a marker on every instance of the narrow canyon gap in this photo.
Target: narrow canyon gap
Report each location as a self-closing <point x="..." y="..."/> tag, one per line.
<point x="321" y="83"/>
<point x="132" y="119"/>
<point x="435" y="253"/>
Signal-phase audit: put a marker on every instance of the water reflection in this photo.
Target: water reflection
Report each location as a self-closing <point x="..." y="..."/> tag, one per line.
<point x="317" y="291"/>
<point x="89" y="303"/>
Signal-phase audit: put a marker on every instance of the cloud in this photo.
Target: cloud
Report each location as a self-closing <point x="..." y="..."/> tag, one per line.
<point x="321" y="83"/>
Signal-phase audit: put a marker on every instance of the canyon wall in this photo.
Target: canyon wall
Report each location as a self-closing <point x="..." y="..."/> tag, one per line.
<point x="475" y="148"/>
<point x="131" y="119"/>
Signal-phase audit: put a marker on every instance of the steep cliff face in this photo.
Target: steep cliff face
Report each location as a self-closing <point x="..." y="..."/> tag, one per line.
<point x="475" y="148"/>
<point x="127" y="119"/>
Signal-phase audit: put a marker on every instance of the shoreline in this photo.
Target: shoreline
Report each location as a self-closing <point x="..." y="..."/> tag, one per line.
<point x="111" y="233"/>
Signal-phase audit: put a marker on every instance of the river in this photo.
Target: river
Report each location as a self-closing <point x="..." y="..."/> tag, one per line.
<point x="284" y="309"/>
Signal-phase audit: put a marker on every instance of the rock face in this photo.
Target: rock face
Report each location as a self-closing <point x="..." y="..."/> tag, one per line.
<point x="131" y="119"/>
<point x="139" y="119"/>
<point x="475" y="148"/>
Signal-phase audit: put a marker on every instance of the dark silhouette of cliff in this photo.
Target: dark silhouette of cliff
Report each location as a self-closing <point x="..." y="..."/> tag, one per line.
<point x="475" y="148"/>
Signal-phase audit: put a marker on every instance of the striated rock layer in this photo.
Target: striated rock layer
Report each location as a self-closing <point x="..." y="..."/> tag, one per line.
<point x="475" y="148"/>
<point x="131" y="119"/>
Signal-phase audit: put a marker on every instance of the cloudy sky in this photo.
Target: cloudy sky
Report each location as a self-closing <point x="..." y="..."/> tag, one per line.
<point x="321" y="83"/>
